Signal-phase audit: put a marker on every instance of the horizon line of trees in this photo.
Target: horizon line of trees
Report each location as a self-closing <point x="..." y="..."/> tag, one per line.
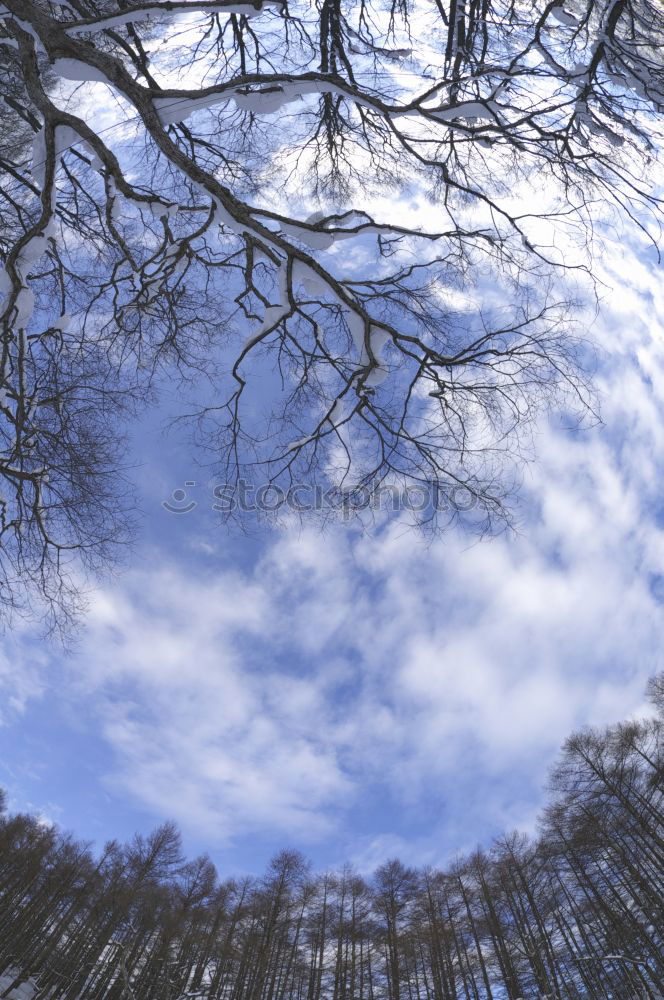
<point x="575" y="912"/>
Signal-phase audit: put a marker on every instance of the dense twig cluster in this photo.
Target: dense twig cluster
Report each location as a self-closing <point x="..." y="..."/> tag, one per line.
<point x="357" y="343"/>
<point x="575" y="913"/>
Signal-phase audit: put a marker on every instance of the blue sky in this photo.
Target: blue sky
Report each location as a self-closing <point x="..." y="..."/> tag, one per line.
<point x="359" y="695"/>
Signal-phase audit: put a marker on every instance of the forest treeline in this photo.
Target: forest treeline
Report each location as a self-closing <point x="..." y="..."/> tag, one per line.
<point x="575" y="912"/>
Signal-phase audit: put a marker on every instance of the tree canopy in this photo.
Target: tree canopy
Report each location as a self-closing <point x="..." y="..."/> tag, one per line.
<point x="352" y="234"/>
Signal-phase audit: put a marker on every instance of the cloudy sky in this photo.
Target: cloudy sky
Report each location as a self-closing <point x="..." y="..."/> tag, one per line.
<point x="360" y="695"/>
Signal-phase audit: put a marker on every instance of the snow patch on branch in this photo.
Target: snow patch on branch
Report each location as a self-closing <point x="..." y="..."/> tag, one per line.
<point x="378" y="339"/>
<point x="114" y="203"/>
<point x="336" y="415"/>
<point x="324" y="238"/>
<point x="159" y="209"/>
<point x="263" y="102"/>
<point x="371" y="355"/>
<point x="39" y="159"/>
<point x="62" y="323"/>
<point x="175" y="109"/>
<point x="273" y="314"/>
<point x="24" y="307"/>
<point x="145" y="13"/>
<point x="472" y="111"/>
<point x="64" y="138"/>
<point x="24" y="303"/>
<point x="300" y="443"/>
<point x="172" y="110"/>
<point x="312" y="283"/>
<point x="357" y="327"/>
<point x="79" y="71"/>
<point x="562" y="16"/>
<point x="315" y="239"/>
<point x="35" y="248"/>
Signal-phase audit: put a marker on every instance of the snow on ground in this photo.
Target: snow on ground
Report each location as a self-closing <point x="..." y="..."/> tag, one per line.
<point x="25" y="991"/>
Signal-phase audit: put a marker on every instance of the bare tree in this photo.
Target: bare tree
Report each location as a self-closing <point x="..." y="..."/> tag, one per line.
<point x="574" y="914"/>
<point x="233" y="234"/>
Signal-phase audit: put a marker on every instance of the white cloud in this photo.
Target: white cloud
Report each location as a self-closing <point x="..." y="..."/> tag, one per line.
<point x="23" y="674"/>
<point x="202" y="729"/>
<point x="439" y="677"/>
